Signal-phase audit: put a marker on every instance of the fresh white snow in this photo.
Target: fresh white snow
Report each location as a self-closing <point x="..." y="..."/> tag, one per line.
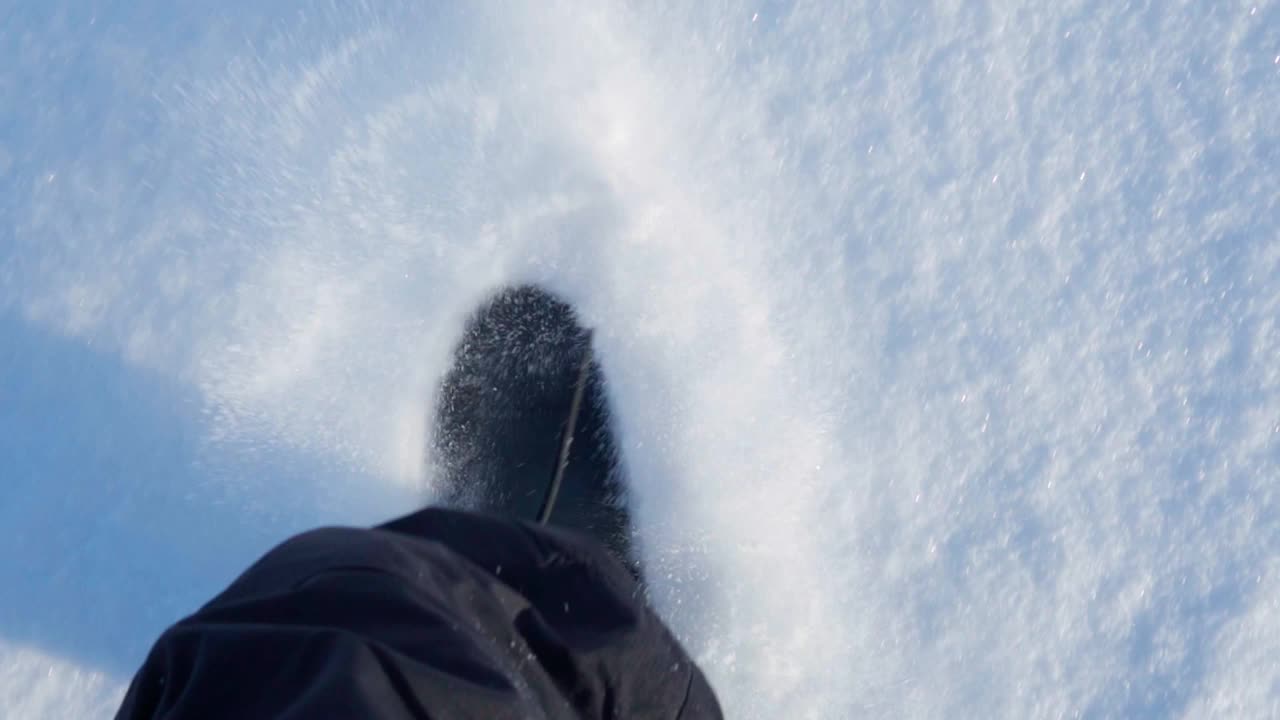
<point x="942" y="337"/>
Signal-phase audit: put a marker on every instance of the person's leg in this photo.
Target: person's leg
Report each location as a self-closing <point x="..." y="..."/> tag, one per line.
<point x="438" y="614"/>
<point x="446" y="613"/>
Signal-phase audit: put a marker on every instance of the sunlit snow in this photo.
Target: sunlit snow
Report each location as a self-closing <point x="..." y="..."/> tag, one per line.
<point x="942" y="338"/>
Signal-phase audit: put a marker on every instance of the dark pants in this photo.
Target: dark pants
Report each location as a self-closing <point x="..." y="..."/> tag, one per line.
<point x="440" y="614"/>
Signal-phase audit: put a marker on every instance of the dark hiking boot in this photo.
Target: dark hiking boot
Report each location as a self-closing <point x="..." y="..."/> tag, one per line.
<point x="507" y="425"/>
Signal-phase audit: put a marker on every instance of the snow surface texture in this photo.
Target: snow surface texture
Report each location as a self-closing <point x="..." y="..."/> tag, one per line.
<point x="941" y="336"/>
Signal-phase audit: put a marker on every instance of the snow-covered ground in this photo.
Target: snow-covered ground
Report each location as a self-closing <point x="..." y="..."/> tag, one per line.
<point x="943" y="337"/>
